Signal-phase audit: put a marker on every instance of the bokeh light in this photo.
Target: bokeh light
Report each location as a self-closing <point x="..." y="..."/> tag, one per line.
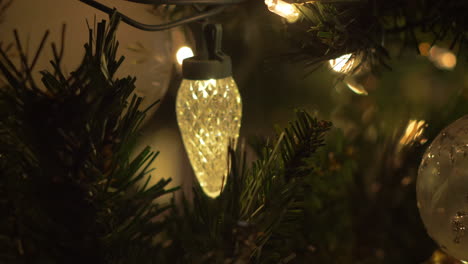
<point x="284" y="9"/>
<point x="343" y="64"/>
<point x="442" y="58"/>
<point x="413" y="132"/>
<point x="356" y="87"/>
<point x="183" y="53"/>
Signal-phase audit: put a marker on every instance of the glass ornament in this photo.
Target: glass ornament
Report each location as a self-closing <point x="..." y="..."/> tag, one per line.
<point x="442" y="189"/>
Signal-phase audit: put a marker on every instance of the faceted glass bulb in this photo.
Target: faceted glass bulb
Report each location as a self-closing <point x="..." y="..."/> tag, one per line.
<point x="209" y="115"/>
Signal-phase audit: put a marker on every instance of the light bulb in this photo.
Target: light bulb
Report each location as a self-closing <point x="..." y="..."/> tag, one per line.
<point x="443" y="58"/>
<point x="209" y="115"/>
<point x="355" y="86"/>
<point x="413" y="132"/>
<point x="343" y="64"/>
<point x="183" y="53"/>
<point x="284" y="9"/>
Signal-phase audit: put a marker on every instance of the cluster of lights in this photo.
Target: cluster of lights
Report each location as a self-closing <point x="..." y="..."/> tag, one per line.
<point x="207" y="143"/>
<point x="441" y="57"/>
<point x="343" y="64"/>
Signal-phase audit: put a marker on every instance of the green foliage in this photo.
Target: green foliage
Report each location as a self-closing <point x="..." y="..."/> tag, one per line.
<point x="69" y="192"/>
<point x="68" y="189"/>
<point x="270" y="212"/>
<point x="369" y="29"/>
<point x="328" y="204"/>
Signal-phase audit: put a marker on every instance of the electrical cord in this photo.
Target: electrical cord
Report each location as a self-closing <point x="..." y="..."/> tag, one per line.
<point x="146" y="27"/>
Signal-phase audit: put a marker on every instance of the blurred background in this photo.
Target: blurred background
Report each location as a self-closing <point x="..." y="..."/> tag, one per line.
<point x="382" y="121"/>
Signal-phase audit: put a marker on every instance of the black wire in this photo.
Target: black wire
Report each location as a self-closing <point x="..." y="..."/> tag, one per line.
<point x="198" y="8"/>
<point x="159" y="27"/>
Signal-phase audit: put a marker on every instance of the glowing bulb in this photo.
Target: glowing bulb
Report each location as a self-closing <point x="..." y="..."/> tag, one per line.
<point x="355" y="86"/>
<point x="413" y="132"/>
<point x="183" y="53"/>
<point x="343" y="64"/>
<point x="442" y="58"/>
<point x="284" y="9"/>
<point x="424" y="48"/>
<point x="448" y="60"/>
<point x="209" y="115"/>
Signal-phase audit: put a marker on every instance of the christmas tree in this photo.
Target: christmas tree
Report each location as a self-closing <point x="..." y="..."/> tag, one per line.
<point x="361" y="92"/>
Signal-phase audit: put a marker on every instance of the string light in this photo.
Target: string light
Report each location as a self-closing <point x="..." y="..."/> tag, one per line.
<point x="413" y="132"/>
<point x="441" y="57"/>
<point x="342" y="64"/>
<point x="424" y="48"/>
<point x="448" y="60"/>
<point x="183" y="53"/>
<point x="354" y="86"/>
<point x="209" y="112"/>
<point x="284" y="9"/>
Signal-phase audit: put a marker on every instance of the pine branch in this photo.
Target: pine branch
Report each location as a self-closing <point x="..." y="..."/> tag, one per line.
<point x="259" y="207"/>
<point x="71" y="191"/>
<point x="330" y="29"/>
<point x="69" y="188"/>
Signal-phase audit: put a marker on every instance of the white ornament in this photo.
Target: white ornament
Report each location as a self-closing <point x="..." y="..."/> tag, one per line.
<point x="442" y="189"/>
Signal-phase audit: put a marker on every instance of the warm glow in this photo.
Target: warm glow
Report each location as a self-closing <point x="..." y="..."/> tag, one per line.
<point x="442" y="58"/>
<point x="424" y="48"/>
<point x="343" y="64"/>
<point x="413" y="132"/>
<point x="448" y="60"/>
<point x="284" y="9"/>
<point x="209" y="116"/>
<point x="183" y="53"/>
<point x="356" y="87"/>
